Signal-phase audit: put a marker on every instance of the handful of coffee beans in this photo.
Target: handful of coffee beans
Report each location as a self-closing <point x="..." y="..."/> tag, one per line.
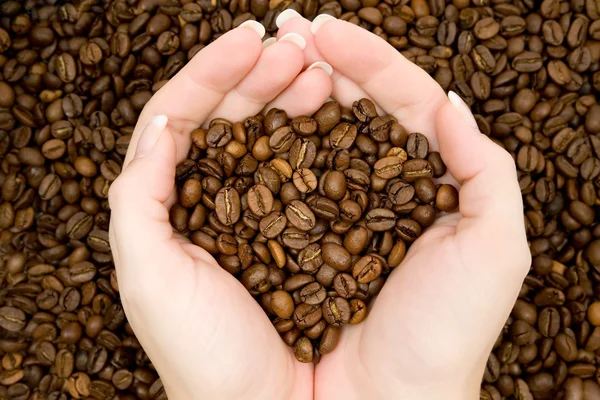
<point x="310" y="214"/>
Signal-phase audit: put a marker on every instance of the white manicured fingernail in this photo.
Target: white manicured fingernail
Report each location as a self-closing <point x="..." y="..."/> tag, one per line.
<point x="319" y="21"/>
<point x="268" y="42"/>
<point x="150" y="135"/>
<point x="255" y="26"/>
<point x="294" y="38"/>
<point x="463" y="109"/>
<point x="285" y="16"/>
<point x="323" y="65"/>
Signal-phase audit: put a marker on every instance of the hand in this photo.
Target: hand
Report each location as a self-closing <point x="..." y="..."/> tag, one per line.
<point x="432" y="327"/>
<point x="206" y="336"/>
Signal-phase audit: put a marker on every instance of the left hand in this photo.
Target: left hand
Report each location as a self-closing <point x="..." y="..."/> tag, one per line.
<point x="204" y="333"/>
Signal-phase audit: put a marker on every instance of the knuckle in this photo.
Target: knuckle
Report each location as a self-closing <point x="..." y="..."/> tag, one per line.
<point x="117" y="190"/>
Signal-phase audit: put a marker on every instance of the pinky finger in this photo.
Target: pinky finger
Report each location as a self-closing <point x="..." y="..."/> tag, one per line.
<point x="307" y="93"/>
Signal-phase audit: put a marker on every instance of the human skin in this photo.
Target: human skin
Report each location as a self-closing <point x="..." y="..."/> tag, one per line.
<point x="430" y="330"/>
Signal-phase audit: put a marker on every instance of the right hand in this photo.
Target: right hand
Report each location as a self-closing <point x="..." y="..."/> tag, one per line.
<point x="431" y="329"/>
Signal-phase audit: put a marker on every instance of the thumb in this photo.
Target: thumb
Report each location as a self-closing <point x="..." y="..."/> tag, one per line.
<point x="141" y="234"/>
<point x="490" y="198"/>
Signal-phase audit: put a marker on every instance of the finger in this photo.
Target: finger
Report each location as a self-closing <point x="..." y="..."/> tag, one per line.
<point x="344" y="90"/>
<point x="307" y="93"/>
<point x="189" y="97"/>
<point x="140" y="228"/>
<point x="400" y="87"/>
<point x="490" y="197"/>
<point x="275" y="70"/>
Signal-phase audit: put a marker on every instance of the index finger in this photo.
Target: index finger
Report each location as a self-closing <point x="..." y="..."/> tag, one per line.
<point x="190" y="96"/>
<point x="400" y="87"/>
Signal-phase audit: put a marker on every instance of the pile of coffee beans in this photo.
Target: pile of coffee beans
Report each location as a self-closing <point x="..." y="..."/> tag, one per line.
<point x="310" y="214"/>
<point x="75" y="74"/>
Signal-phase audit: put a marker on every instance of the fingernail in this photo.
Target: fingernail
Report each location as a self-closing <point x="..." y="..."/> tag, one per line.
<point x="323" y="65"/>
<point x="294" y="38"/>
<point x="319" y="22"/>
<point x="255" y="26"/>
<point x="286" y="16"/>
<point x="463" y="109"/>
<point x="268" y="42"/>
<point x="150" y="135"/>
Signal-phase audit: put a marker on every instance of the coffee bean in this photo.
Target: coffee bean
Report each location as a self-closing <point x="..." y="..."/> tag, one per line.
<point x="295" y="238"/>
<point x="310" y="258"/>
<point x="364" y="110"/>
<point x="66" y="68"/>
<point x="282" y="139"/>
<point x="260" y="200"/>
<point x="302" y="154"/>
<point x="344" y="285"/>
<point x="415" y="169"/>
<point x="306" y="315"/>
<point x="328" y="116"/>
<point x="313" y="294"/>
<point x="336" y="256"/>
<point x="417" y="145"/>
<point x="12" y="319"/>
<point x="303" y="350"/>
<point x="282" y="304"/>
<point x="329" y="340"/>
<point x="446" y="198"/>
<point x="336" y="311"/>
<point x="304" y="180"/>
<point x="388" y="167"/>
<point x="299" y="215"/>
<point x="227" y="206"/>
<point x="380" y="219"/>
<point x="304" y="125"/>
<point x="367" y="269"/>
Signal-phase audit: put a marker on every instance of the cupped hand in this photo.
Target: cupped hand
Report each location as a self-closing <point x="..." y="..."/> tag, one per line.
<point x="432" y="327"/>
<point x="204" y="333"/>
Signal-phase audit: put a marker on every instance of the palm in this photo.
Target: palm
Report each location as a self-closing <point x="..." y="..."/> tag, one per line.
<point x="214" y="309"/>
<point x="413" y="330"/>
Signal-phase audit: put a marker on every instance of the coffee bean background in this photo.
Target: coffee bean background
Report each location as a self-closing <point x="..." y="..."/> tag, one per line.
<point x="75" y="75"/>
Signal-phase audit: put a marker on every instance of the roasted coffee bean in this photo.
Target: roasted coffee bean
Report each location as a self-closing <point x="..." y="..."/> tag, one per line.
<point x="260" y="200"/>
<point x="415" y="169"/>
<point x="364" y="110"/>
<point x="303" y="350"/>
<point x="295" y="238"/>
<point x="344" y="285"/>
<point x="313" y="294"/>
<point x="227" y="206"/>
<point x="282" y="139"/>
<point x="336" y="256"/>
<point x="306" y="315"/>
<point x="299" y="215"/>
<point x="388" y="167"/>
<point x="12" y="319"/>
<point x="310" y="258"/>
<point x="446" y="198"/>
<point x="367" y="269"/>
<point x="336" y="311"/>
<point x="282" y="304"/>
<point x="417" y="145"/>
<point x="329" y="339"/>
<point x="380" y="219"/>
<point x="302" y="154"/>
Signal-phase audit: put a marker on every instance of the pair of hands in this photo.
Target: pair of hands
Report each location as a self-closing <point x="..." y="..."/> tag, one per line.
<point x="430" y="330"/>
